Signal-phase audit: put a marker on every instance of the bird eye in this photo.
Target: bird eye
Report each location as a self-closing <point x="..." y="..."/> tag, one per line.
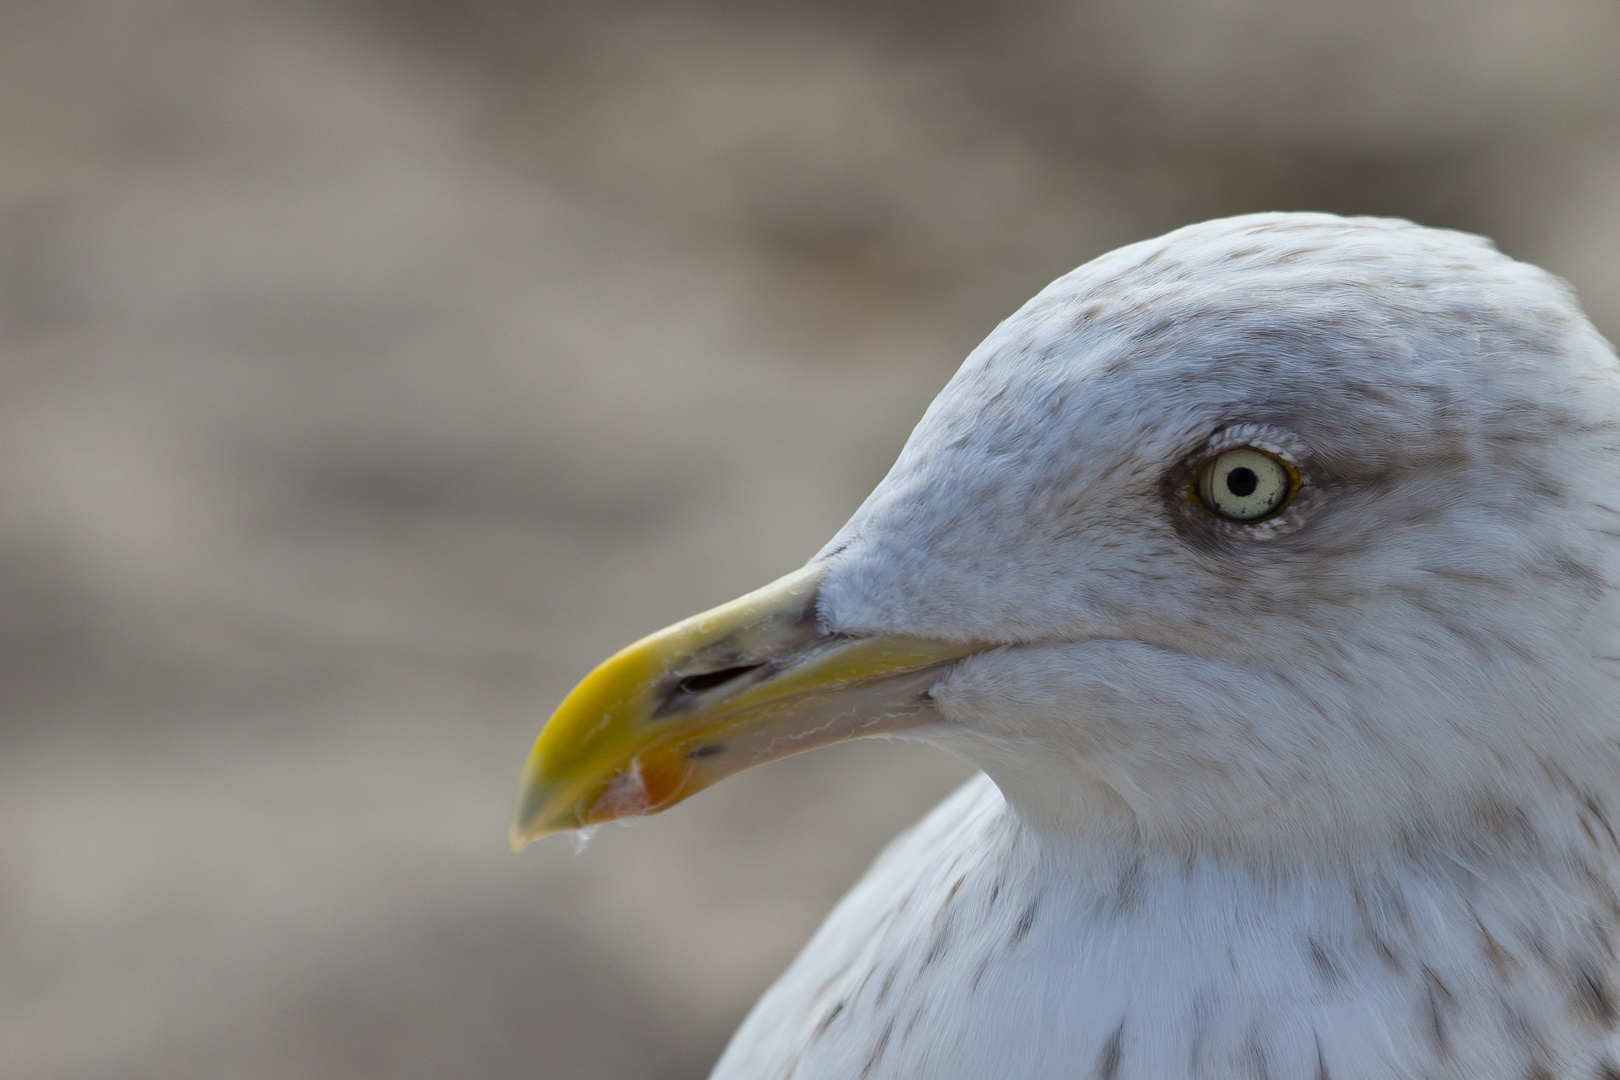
<point x="1245" y="484"/>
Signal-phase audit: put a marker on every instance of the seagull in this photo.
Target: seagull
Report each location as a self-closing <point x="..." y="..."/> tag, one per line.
<point x="1270" y="572"/>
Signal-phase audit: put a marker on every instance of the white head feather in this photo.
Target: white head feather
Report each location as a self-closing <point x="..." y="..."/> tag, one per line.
<point x="1422" y="646"/>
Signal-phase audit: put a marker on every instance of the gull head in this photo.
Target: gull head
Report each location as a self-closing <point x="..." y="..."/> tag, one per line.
<point x="1288" y="535"/>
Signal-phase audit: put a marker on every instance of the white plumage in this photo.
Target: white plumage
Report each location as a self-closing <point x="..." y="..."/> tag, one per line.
<point x="1327" y="796"/>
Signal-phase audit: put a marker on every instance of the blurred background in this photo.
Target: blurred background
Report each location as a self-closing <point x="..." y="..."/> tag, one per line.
<point x="372" y="368"/>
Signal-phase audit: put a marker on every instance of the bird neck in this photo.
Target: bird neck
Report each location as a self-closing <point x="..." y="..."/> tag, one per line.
<point x="1551" y="814"/>
<point x="1422" y="959"/>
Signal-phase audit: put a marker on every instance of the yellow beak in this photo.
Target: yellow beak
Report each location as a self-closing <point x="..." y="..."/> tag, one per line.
<point x="744" y="683"/>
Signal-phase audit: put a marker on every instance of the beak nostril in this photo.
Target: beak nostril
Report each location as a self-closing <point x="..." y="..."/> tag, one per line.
<point x="696" y="684"/>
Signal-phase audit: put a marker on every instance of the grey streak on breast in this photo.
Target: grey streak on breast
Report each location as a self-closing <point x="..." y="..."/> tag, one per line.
<point x="1108" y="1058"/>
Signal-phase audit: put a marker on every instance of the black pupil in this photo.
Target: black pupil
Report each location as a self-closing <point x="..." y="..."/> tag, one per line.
<point x="1242" y="482"/>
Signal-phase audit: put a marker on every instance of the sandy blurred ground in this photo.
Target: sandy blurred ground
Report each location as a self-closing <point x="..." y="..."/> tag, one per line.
<point x="370" y="370"/>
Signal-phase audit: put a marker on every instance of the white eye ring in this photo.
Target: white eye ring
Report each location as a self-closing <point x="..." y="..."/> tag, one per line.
<point x="1246" y="484"/>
